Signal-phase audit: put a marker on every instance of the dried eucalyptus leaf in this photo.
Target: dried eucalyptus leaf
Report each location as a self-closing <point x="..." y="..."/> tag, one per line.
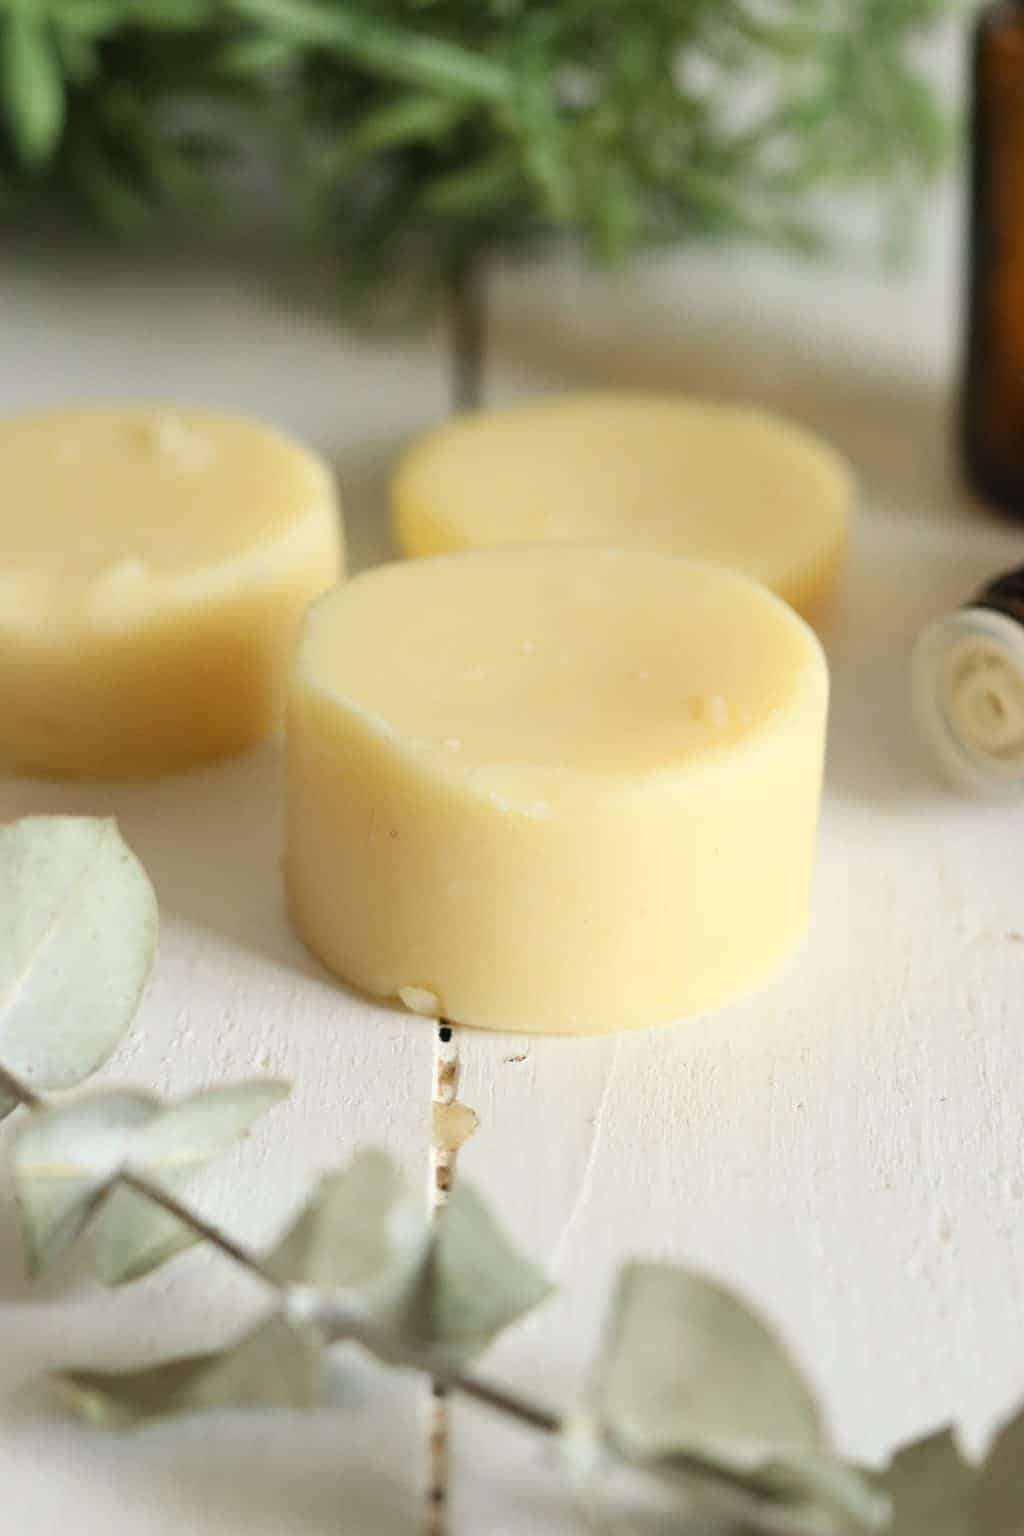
<point x="931" y="1488"/>
<point x="273" y="1366"/>
<point x="356" y="1233"/>
<point x="822" y="1491"/>
<point x="935" y="1491"/>
<point x="78" y="926"/>
<point x="470" y="1284"/>
<point x="428" y="1294"/>
<point x="66" y="1159"/>
<point x="688" y="1367"/>
<point x="693" y="1384"/>
<point x="32" y="87"/>
<point x="999" y="1505"/>
<point x="192" y="1130"/>
<point x="132" y="1236"/>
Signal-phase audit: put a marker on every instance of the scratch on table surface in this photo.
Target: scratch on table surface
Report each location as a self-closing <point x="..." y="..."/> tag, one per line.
<point x="585" y="1189"/>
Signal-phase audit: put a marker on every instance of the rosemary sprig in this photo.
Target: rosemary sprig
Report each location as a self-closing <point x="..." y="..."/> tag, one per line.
<point x="420" y="136"/>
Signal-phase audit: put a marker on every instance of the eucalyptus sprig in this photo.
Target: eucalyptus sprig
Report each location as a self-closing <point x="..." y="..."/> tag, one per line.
<point x="691" y="1388"/>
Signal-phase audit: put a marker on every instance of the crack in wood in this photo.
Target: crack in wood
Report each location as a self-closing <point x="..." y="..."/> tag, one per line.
<point x="586" y="1184"/>
<point x="444" y="1091"/>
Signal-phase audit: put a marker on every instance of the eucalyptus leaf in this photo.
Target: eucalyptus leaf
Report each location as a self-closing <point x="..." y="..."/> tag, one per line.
<point x="78" y="926"/>
<point x="999" y="1506"/>
<point x="931" y="1488"/>
<point x="935" y="1491"/>
<point x="359" y="1232"/>
<point x="67" y="1160"/>
<point x="471" y="1284"/>
<point x="694" y="1384"/>
<point x="132" y="1236"/>
<point x="273" y="1366"/>
<point x="32" y="87"/>
<point x="427" y="1292"/>
<point x="688" y="1367"/>
<point x="64" y="1161"/>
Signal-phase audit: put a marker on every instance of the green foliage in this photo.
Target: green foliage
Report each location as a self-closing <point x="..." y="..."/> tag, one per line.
<point x="272" y="1366"/>
<point x="78" y="927"/>
<point x="692" y="1387"/>
<point x="419" y="133"/>
<point x="67" y="1161"/>
<point x="934" y="1491"/>
<point x="414" y="1292"/>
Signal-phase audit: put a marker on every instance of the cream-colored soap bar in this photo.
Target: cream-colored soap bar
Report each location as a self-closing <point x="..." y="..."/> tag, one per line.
<point x="554" y="788"/>
<point x="714" y="482"/>
<point x="154" y="567"/>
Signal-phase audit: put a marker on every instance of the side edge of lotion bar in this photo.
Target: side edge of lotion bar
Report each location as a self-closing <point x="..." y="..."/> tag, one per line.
<point x="559" y="789"/>
<point x="155" y="564"/>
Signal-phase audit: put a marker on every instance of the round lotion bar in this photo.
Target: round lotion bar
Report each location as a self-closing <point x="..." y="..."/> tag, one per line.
<point x="721" y="483"/>
<point x="154" y="567"/>
<point x="554" y="788"/>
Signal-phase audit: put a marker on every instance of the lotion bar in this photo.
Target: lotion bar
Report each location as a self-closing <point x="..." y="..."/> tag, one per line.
<point x="154" y="567"/>
<point x="554" y="788"/>
<point x="722" y="483"/>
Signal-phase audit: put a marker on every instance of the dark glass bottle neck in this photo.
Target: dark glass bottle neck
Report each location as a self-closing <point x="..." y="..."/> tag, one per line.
<point x="1006" y="593"/>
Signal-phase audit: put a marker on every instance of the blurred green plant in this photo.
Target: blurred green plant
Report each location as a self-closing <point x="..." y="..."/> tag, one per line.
<point x="417" y="136"/>
<point x="419" y="133"/>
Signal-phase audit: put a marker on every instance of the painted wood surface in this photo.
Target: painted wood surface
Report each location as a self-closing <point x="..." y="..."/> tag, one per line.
<point x="846" y="1147"/>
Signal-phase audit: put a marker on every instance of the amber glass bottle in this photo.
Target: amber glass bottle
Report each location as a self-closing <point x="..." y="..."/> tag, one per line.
<point x="993" y="399"/>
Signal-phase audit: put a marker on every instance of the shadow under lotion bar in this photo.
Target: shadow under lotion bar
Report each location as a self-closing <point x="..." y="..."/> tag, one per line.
<point x="555" y="789"/>
<point x="154" y="566"/>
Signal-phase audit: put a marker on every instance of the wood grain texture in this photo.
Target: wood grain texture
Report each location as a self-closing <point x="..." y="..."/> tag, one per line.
<point x="846" y="1147"/>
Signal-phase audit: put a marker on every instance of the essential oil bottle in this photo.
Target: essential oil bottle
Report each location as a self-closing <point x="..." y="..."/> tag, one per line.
<point x="968" y="689"/>
<point x="993" y="386"/>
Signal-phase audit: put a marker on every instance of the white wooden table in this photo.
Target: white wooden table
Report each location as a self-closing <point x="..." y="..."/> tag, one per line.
<point x="847" y="1147"/>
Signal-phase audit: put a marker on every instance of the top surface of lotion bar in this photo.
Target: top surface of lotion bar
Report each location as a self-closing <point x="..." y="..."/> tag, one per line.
<point x="558" y="789"/>
<point x="154" y="565"/>
<point x="724" y="483"/>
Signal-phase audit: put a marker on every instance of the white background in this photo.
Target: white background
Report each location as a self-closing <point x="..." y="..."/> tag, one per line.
<point x="845" y="1147"/>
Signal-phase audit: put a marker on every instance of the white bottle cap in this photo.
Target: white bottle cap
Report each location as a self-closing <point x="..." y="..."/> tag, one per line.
<point x="968" y="692"/>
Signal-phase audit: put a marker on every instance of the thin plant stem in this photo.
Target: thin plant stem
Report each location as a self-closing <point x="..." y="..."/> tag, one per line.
<point x="11" y="1084"/>
<point x="335" y="1319"/>
<point x="19" y="1090"/>
<point x="201" y="1227"/>
<point x="466" y="306"/>
<point x="503" y="1401"/>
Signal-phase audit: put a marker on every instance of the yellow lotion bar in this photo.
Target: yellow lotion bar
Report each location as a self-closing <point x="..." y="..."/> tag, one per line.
<point x="154" y="566"/>
<point x="715" y="482"/>
<point x="558" y="789"/>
